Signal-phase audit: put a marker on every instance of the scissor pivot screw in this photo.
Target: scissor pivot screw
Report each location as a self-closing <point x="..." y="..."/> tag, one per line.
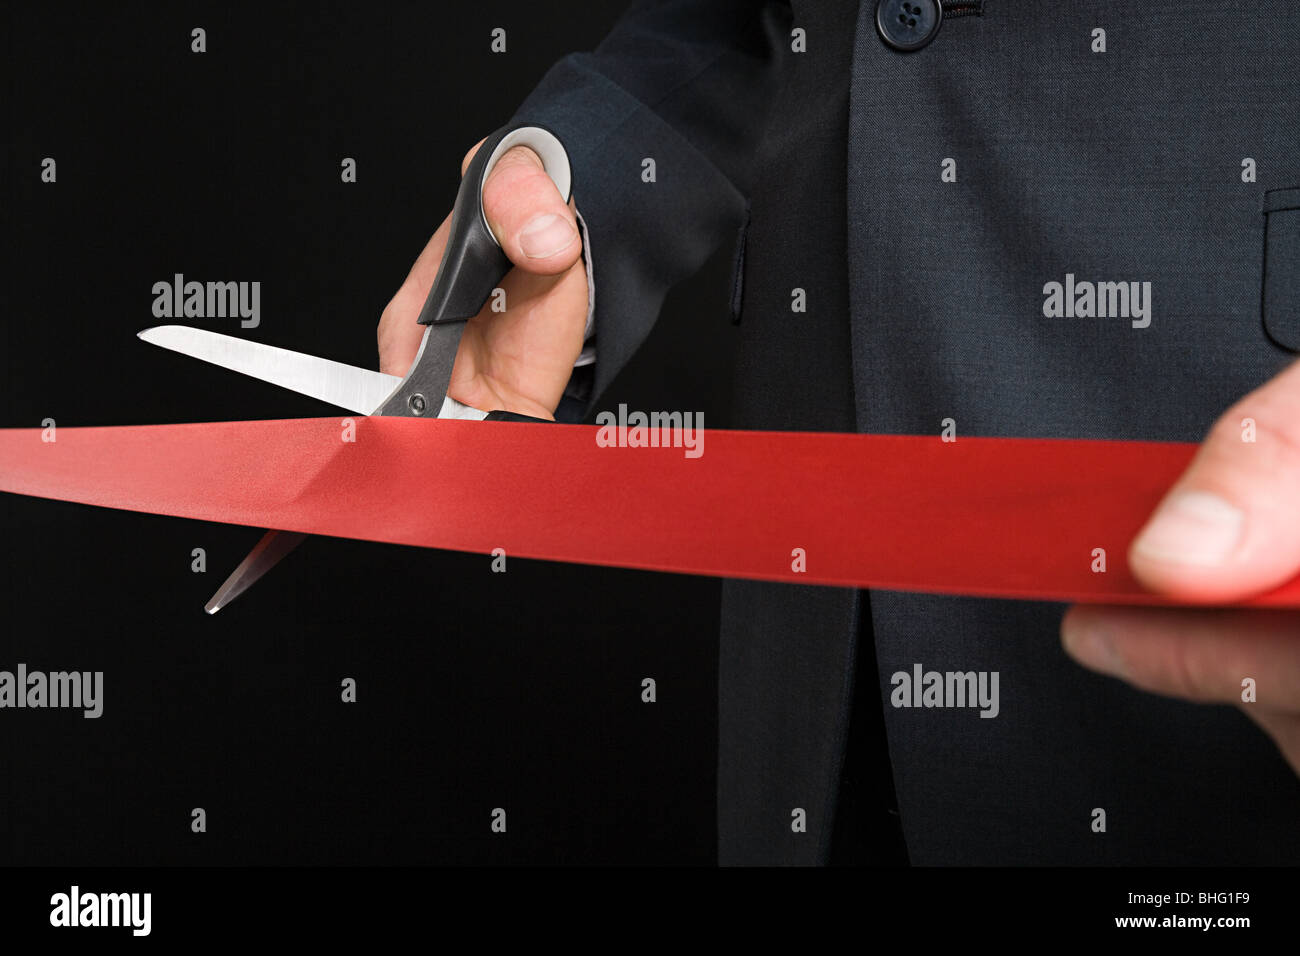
<point x="416" y="402"/>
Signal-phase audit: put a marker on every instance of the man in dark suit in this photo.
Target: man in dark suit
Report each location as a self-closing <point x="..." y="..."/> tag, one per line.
<point x="1005" y="218"/>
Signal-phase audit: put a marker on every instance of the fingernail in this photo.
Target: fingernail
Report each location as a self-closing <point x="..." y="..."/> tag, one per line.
<point x="546" y="235"/>
<point x="1195" y="528"/>
<point x="1090" y="647"/>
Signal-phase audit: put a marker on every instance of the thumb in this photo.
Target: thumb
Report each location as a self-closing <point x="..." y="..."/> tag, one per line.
<point x="1230" y="527"/>
<point x="528" y="215"/>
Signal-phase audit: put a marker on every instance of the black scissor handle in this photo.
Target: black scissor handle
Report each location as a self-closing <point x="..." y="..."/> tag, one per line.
<point x="473" y="263"/>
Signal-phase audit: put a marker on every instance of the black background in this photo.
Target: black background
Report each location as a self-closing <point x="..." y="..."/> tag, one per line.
<point x="475" y="690"/>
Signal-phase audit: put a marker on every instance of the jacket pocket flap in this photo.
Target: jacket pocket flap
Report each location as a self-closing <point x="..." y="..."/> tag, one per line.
<point x="1281" y="296"/>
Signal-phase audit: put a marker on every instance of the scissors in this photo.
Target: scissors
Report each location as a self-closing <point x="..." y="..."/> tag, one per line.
<point x="473" y="264"/>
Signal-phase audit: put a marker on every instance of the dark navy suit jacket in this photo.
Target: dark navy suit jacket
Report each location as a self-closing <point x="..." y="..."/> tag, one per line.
<point x="925" y="303"/>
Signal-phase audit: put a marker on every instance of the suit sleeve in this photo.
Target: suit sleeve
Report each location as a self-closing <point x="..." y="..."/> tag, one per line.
<point x="686" y="84"/>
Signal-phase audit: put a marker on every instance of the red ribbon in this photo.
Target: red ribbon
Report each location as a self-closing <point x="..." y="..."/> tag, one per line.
<point x="994" y="517"/>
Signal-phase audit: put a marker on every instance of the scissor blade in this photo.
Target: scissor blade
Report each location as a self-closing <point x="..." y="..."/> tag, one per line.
<point x="358" y="390"/>
<point x="264" y="556"/>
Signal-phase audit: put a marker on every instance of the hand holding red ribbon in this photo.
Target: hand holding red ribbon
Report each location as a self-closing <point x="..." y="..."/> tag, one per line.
<point x="1228" y="529"/>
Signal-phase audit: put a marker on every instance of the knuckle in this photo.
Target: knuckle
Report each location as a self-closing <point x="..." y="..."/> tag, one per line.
<point x="1185" y="672"/>
<point x="1273" y="443"/>
<point x="520" y="156"/>
<point x="1274" y="410"/>
<point x="399" y="305"/>
<point x="1280" y="431"/>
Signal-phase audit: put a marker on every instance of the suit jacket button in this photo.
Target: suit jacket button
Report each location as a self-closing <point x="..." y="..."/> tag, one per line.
<point x="908" y="24"/>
